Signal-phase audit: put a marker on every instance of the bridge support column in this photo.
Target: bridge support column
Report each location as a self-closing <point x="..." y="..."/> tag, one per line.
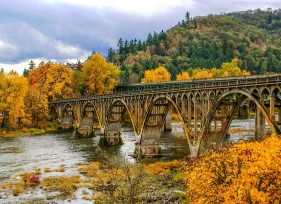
<point x="195" y="121"/>
<point x="77" y="113"/>
<point x="149" y="144"/>
<point x="85" y="128"/>
<point x="260" y="125"/>
<point x="271" y="111"/>
<point x="112" y="135"/>
<point x="189" y="113"/>
<point x="243" y="112"/>
<point x="60" y="114"/>
<point x="168" y="121"/>
<point x="259" y="121"/>
<point x="279" y="117"/>
<point x="184" y="109"/>
<point x="67" y="122"/>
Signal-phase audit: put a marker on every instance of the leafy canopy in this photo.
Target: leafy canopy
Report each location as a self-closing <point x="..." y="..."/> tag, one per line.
<point x="98" y="76"/>
<point x="160" y="74"/>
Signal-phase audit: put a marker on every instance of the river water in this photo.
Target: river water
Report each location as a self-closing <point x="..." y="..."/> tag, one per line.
<point x="23" y="154"/>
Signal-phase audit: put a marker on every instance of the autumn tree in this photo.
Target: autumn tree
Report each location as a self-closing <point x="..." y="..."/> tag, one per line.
<point x="98" y="76"/>
<point x="243" y="173"/>
<point x="229" y="69"/>
<point x="36" y="106"/>
<point x="48" y="82"/>
<point x="54" y="80"/>
<point x="160" y="74"/>
<point x="183" y="76"/>
<point x="12" y="92"/>
<point x="201" y="74"/>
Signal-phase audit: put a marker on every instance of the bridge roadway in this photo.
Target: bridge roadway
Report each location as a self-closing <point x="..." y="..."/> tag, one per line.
<point x="205" y="107"/>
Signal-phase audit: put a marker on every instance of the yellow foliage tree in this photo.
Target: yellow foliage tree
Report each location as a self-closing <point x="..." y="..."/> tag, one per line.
<point x="36" y="106"/>
<point x="47" y="82"/>
<point x="202" y="74"/>
<point x="55" y="80"/>
<point x="99" y="76"/>
<point x="229" y="69"/>
<point x="183" y="76"/>
<point x="12" y="93"/>
<point x="244" y="173"/>
<point x="160" y="74"/>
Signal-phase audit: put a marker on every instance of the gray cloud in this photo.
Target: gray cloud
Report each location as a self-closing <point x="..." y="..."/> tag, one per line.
<point x="31" y="29"/>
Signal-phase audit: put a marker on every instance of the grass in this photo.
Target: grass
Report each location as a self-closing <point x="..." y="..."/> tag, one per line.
<point x="89" y="169"/>
<point x="65" y="185"/>
<point x="103" y="180"/>
<point x="239" y="130"/>
<point x="50" y="127"/>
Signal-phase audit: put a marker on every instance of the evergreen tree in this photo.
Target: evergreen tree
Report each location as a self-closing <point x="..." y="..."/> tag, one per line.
<point x="32" y="65"/>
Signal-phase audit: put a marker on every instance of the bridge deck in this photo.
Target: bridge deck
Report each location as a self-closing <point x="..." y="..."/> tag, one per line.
<point x="175" y="86"/>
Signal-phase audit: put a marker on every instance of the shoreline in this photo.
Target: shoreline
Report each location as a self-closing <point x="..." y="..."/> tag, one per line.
<point x="30" y="132"/>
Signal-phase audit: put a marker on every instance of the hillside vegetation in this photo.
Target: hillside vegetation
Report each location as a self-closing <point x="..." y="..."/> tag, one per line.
<point x="254" y="37"/>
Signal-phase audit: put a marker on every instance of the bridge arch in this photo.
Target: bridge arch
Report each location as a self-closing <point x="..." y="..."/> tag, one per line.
<point x="53" y="112"/>
<point x="67" y="105"/>
<point x="113" y="120"/>
<point x="149" y="138"/>
<point x="255" y="90"/>
<point x="95" y="112"/>
<point x="244" y="95"/>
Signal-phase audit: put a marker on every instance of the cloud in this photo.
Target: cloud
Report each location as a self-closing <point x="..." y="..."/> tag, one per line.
<point x="71" y="29"/>
<point x="144" y="7"/>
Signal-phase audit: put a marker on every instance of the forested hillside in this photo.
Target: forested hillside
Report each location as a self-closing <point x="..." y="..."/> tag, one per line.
<point x="253" y="37"/>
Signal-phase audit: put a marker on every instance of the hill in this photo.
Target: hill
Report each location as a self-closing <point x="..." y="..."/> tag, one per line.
<point x="254" y="37"/>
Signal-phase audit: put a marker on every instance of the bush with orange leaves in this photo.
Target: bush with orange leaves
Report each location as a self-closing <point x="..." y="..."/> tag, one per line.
<point x="243" y="173"/>
<point x="160" y="168"/>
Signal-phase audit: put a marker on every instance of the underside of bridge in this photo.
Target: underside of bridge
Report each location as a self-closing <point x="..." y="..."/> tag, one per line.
<point x="205" y="113"/>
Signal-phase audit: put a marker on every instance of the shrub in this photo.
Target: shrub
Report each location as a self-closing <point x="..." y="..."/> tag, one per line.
<point x="243" y="173"/>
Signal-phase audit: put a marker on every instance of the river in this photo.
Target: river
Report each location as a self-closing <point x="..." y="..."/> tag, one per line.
<point x="23" y="154"/>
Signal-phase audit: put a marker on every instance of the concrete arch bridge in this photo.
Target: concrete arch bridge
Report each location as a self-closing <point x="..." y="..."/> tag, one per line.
<point x="205" y="107"/>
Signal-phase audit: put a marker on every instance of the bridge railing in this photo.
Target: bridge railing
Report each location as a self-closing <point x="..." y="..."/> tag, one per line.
<point x="175" y="86"/>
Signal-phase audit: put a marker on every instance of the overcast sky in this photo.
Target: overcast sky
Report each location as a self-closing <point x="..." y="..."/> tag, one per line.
<point x="61" y="30"/>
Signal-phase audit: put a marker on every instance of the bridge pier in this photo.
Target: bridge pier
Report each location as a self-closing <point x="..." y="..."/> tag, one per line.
<point x="279" y="117"/>
<point x="77" y="112"/>
<point x="147" y="150"/>
<point x="168" y="121"/>
<point x="259" y="123"/>
<point x="243" y="112"/>
<point x="60" y="113"/>
<point x="67" y="122"/>
<point x="85" y="128"/>
<point x="149" y="145"/>
<point x="112" y="134"/>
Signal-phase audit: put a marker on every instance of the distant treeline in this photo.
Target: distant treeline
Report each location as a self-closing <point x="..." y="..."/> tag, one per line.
<point x="205" y="42"/>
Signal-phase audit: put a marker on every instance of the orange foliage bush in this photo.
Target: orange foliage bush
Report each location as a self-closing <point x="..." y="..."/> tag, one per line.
<point x="89" y="169"/>
<point x="243" y="173"/>
<point x="163" y="167"/>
